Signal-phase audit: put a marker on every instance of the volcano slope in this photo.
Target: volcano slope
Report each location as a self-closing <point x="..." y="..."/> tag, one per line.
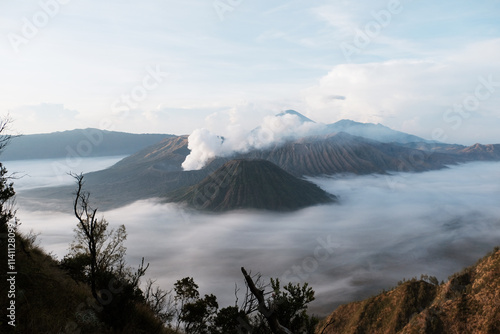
<point x="252" y="184"/>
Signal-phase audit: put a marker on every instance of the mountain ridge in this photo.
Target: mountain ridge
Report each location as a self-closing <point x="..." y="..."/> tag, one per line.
<point x="89" y="142"/>
<point x="156" y="171"/>
<point x="345" y="153"/>
<point x="373" y="131"/>
<point x="302" y="118"/>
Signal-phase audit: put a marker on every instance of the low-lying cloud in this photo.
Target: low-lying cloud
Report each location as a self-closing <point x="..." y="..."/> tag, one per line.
<point x="29" y="174"/>
<point x="385" y="228"/>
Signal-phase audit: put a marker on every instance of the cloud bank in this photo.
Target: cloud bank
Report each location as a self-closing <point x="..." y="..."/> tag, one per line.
<point x="386" y="227"/>
<point x="457" y="91"/>
<point x="30" y="174"/>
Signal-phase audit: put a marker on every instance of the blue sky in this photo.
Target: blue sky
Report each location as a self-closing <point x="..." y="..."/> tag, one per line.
<point x="415" y="66"/>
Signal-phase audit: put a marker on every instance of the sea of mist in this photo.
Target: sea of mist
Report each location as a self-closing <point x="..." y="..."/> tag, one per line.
<point x="385" y="228"/>
<point x="29" y="174"/>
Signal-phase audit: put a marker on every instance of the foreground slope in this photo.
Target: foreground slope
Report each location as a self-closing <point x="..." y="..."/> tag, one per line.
<point x="48" y="300"/>
<point x="468" y="303"/>
<point x="255" y="184"/>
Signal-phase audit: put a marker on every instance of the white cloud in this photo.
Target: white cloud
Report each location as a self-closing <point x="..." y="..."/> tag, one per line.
<point x="49" y="116"/>
<point x="85" y="59"/>
<point x="416" y="95"/>
<point x="340" y="17"/>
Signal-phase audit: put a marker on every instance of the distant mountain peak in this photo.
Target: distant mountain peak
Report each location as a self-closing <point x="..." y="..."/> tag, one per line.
<point x="378" y="132"/>
<point x="346" y="121"/>
<point x="296" y="113"/>
<point x="350" y="122"/>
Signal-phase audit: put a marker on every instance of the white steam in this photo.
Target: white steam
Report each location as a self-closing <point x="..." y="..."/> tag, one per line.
<point x="204" y="145"/>
<point x="273" y="130"/>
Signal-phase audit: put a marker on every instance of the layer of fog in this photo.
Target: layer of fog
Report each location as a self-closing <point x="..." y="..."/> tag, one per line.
<point x="29" y="174"/>
<point x="385" y="228"/>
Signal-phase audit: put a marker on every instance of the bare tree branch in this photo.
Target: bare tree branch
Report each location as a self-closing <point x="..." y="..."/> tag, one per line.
<point x="141" y="271"/>
<point x="4" y="126"/>
<point x="270" y="316"/>
<point x="87" y="223"/>
<point x="327" y="325"/>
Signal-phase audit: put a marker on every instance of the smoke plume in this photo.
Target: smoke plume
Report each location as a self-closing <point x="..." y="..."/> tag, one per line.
<point x="273" y="130"/>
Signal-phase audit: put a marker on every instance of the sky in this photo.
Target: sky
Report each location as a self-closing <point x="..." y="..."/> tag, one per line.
<point x="424" y="67"/>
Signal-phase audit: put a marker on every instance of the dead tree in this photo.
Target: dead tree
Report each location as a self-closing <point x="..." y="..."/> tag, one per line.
<point x="266" y="311"/>
<point x="88" y="224"/>
<point x="5" y="126"/>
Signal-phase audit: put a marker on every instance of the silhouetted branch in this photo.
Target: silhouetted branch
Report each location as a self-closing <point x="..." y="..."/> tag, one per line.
<point x="4" y="126"/>
<point x="87" y="222"/>
<point x="327" y="325"/>
<point x="270" y="315"/>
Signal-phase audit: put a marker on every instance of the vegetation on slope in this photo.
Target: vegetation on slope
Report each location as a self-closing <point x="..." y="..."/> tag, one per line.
<point x="85" y="293"/>
<point x="468" y="303"/>
<point x="49" y="300"/>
